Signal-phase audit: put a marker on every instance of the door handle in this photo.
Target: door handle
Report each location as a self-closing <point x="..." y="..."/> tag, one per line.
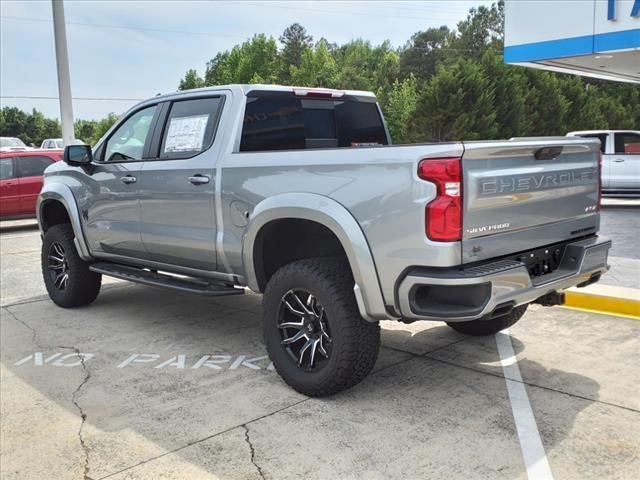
<point x="619" y="160"/>
<point x="199" y="179"/>
<point x="128" y="179"/>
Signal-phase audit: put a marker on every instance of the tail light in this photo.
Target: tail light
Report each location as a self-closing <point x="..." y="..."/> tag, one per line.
<point x="444" y="214"/>
<point x="599" y="181"/>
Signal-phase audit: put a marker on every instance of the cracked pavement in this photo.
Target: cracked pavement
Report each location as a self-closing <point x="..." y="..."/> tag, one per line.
<point x="436" y="405"/>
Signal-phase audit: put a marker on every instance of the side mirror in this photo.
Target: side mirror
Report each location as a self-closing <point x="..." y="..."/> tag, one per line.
<point x="77" y="155"/>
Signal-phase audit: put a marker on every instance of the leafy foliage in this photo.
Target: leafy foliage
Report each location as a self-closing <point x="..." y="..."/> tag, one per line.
<point x="294" y="41"/>
<point x="317" y="68"/>
<point x="32" y="128"/>
<point x="458" y="102"/>
<point x="400" y="104"/>
<point x="191" y="80"/>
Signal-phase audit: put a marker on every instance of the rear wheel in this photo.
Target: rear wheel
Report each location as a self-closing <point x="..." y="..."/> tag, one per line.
<point x="67" y="277"/>
<point x="315" y="336"/>
<point x="481" y="327"/>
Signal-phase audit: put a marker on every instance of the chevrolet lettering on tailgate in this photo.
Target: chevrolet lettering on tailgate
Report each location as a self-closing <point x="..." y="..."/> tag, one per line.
<point x="536" y="182"/>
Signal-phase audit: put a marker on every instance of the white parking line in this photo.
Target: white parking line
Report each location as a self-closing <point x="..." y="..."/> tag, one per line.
<point x="23" y="235"/>
<point x="535" y="458"/>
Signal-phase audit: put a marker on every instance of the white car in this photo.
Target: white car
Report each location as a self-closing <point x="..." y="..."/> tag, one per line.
<point x="10" y="144"/>
<point x="620" y="159"/>
<point x="57" y="143"/>
<point x="52" y="144"/>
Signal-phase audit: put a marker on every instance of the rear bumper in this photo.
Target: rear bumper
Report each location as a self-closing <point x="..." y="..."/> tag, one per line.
<point x="484" y="290"/>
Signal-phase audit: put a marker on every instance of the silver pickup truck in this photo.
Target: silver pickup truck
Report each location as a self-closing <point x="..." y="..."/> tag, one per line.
<point x="298" y="194"/>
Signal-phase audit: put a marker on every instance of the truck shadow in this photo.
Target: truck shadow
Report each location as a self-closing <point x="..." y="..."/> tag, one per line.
<point x="411" y="407"/>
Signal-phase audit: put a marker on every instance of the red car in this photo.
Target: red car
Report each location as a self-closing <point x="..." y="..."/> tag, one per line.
<point x="21" y="180"/>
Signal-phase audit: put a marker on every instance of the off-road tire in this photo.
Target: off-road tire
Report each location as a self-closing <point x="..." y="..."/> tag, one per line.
<point x="355" y="341"/>
<point x="478" y="328"/>
<point x="83" y="285"/>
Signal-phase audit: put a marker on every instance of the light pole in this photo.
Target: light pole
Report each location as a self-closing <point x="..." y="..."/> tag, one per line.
<point x="64" y="80"/>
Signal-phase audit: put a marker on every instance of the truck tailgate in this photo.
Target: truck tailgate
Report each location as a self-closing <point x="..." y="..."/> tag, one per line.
<point x="524" y="193"/>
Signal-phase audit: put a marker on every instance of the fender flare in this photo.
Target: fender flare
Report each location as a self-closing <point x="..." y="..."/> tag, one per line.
<point x="334" y="216"/>
<point x="59" y="192"/>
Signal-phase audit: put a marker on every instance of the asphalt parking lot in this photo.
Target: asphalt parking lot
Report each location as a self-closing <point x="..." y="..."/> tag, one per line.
<point x="148" y="384"/>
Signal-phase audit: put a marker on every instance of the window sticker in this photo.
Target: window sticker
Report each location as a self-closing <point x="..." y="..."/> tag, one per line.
<point x="186" y="134"/>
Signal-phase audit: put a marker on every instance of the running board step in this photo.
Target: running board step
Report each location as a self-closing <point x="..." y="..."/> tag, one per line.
<point x="155" y="279"/>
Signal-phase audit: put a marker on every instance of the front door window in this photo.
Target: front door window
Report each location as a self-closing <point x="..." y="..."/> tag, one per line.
<point x="127" y="142"/>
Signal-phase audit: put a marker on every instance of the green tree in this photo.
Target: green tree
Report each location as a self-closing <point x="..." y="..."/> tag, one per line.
<point x="258" y="56"/>
<point x="483" y="28"/>
<point x="32" y="128"/>
<point x="614" y="114"/>
<point x="509" y="86"/>
<point x="295" y="41"/>
<point x="191" y="80"/>
<point x="458" y="103"/>
<point x="385" y="74"/>
<point x="101" y="127"/>
<point x="629" y="97"/>
<point x="424" y="52"/>
<point x="12" y="123"/>
<point x="400" y="106"/>
<point x="583" y="106"/>
<point x="545" y="106"/>
<point x="317" y="68"/>
<point x="365" y="67"/>
<point x="85" y="129"/>
<point x="51" y="128"/>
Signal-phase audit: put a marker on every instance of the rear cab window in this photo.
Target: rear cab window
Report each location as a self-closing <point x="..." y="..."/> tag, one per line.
<point x="627" y="143"/>
<point x="277" y="121"/>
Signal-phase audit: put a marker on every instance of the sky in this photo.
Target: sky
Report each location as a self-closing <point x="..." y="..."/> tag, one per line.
<point x="126" y="51"/>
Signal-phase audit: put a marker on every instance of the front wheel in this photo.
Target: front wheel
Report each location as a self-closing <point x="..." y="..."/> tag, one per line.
<point x="313" y="331"/>
<point x="481" y="327"/>
<point x="67" y="277"/>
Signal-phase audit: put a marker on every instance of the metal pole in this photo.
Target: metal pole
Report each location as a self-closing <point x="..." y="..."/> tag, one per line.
<point x="64" y="79"/>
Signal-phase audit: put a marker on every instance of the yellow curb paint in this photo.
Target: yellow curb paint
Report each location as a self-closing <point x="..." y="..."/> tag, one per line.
<point x="624" y="307"/>
<point x="610" y="314"/>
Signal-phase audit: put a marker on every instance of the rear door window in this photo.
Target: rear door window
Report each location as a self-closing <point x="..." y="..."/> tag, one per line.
<point x="282" y="122"/>
<point x="190" y="127"/>
<point x="627" y="143"/>
<point x="33" y="165"/>
<point x="6" y="169"/>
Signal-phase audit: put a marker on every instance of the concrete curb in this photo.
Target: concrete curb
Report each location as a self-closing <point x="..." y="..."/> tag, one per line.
<point x="607" y="299"/>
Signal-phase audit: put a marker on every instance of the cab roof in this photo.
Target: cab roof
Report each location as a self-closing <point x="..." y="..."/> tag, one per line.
<point x="246" y="89"/>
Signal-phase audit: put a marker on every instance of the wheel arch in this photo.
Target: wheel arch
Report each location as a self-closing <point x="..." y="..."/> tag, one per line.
<point x="330" y="215"/>
<point x="52" y="201"/>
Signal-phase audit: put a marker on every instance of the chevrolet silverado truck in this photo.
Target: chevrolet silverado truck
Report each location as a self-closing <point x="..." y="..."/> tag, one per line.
<point x="298" y="194"/>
